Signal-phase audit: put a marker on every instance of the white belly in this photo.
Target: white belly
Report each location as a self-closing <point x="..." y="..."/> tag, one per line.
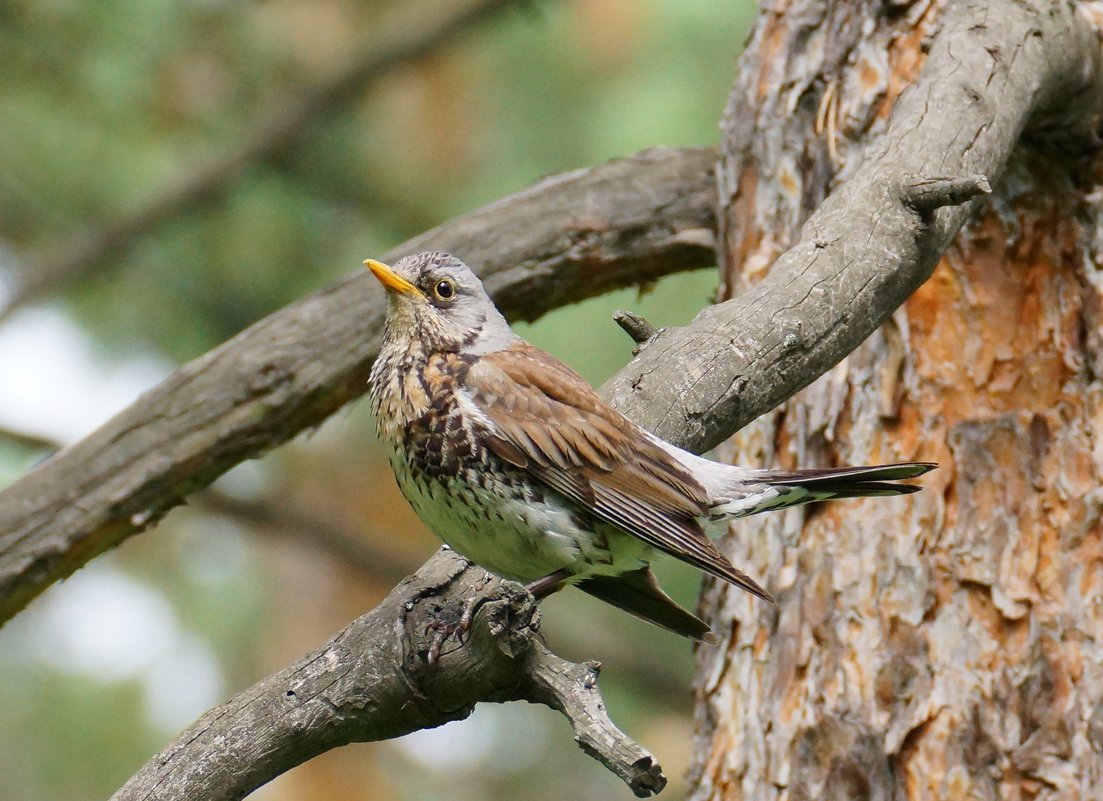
<point x="518" y="538"/>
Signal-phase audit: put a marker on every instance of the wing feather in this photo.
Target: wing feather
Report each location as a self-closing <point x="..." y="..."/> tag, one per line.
<point x="555" y="427"/>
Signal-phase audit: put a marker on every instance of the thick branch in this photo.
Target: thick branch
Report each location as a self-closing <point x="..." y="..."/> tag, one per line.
<point x="996" y="66"/>
<point x="862" y="253"/>
<point x="272" y="514"/>
<point x="404" y="41"/>
<point x="373" y="681"/>
<point x="568" y="237"/>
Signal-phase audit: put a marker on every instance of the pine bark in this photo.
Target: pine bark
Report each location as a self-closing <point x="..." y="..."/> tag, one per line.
<point x="948" y="644"/>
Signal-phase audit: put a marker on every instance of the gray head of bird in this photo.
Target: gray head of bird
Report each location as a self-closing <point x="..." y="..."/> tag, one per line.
<point x="437" y="304"/>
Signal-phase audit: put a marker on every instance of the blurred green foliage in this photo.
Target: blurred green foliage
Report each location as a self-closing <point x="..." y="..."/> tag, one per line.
<point x="104" y="104"/>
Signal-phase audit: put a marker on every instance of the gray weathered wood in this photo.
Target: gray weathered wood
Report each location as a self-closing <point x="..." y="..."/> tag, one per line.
<point x="373" y="682"/>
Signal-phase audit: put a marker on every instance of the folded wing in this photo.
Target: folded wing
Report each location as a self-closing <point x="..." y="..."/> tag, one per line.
<point x="537" y="414"/>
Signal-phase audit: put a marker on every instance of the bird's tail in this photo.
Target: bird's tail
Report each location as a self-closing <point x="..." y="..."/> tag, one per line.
<point x="749" y="492"/>
<point x="637" y="592"/>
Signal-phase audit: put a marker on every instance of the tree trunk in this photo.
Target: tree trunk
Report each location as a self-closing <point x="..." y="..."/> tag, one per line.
<point x="948" y="644"/>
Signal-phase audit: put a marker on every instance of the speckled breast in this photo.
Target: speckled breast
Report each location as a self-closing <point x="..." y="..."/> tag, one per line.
<point x="487" y="510"/>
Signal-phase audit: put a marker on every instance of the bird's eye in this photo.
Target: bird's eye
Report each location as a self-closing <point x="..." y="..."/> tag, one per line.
<point x="445" y="290"/>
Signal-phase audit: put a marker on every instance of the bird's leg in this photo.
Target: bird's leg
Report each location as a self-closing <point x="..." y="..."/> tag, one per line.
<point x="543" y="587"/>
<point x="443" y="629"/>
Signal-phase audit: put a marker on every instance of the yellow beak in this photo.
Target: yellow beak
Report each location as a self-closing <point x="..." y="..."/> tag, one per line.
<point x="390" y="279"/>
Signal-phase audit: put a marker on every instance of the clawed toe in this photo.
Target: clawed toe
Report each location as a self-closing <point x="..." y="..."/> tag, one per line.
<point x="444" y="627"/>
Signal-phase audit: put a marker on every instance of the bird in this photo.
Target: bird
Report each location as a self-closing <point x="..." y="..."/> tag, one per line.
<point x="517" y="464"/>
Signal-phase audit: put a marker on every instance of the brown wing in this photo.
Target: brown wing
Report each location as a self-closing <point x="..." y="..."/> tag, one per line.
<point x="539" y="415"/>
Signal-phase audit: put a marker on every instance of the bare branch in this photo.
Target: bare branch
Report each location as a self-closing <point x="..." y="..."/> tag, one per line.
<point x="863" y="252"/>
<point x="402" y="41"/>
<point x="275" y="515"/>
<point x="566" y="238"/>
<point x="572" y="689"/>
<point x="994" y="67"/>
<point x="373" y="681"/>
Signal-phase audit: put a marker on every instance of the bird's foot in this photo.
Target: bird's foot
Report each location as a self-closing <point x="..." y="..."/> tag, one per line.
<point x="543" y="587"/>
<point x="446" y="624"/>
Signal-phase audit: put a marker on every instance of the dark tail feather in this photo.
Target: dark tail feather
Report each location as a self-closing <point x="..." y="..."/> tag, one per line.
<point x="879" y="489"/>
<point x="852" y="482"/>
<point x="637" y="592"/>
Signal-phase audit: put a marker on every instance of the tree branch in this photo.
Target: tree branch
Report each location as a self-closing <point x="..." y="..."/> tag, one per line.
<point x="566" y="238"/>
<point x="995" y="67"/>
<point x="405" y="40"/>
<point x="373" y="681"/>
<point x="273" y="514"/>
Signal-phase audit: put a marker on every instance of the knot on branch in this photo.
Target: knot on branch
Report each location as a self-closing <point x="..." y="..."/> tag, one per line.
<point x="637" y="327"/>
<point x="927" y="193"/>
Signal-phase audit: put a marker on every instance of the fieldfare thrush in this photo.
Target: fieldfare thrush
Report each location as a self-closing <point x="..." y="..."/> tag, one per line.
<point x="516" y="463"/>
